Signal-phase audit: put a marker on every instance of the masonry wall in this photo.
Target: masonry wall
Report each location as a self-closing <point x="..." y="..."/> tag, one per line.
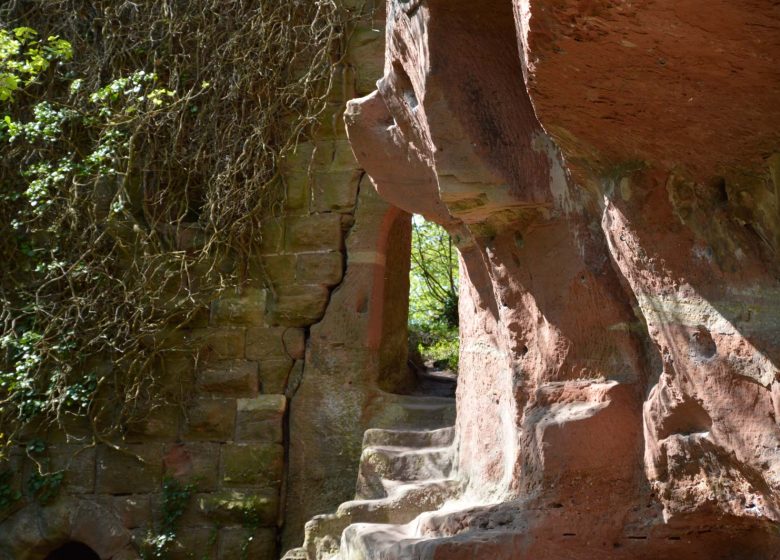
<point x="229" y="439"/>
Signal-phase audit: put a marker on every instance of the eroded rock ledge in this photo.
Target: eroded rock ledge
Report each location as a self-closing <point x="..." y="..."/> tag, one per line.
<point x="610" y="172"/>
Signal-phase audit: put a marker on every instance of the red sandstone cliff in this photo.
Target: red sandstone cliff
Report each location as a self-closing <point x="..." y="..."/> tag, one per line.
<point x="610" y="171"/>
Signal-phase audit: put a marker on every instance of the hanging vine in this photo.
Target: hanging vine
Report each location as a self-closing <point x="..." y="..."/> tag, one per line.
<point x="138" y="161"/>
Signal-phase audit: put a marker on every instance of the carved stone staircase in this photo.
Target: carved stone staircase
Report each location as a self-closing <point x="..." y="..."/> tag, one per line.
<point x="403" y="473"/>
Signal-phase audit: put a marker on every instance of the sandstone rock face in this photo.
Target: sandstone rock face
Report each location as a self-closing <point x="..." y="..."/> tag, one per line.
<point x="607" y="171"/>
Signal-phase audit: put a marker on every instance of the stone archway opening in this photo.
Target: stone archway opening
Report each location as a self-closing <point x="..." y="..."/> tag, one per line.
<point x="73" y="551"/>
<point x="433" y="320"/>
<point x="414" y="322"/>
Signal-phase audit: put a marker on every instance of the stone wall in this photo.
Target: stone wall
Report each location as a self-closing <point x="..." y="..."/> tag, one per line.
<point x="228" y="435"/>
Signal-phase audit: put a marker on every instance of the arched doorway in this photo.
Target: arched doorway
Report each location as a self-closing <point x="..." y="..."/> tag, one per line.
<point x="73" y="551"/>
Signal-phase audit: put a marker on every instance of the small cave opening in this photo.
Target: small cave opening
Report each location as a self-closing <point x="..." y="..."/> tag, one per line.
<point x="433" y="321"/>
<point x="73" y="551"/>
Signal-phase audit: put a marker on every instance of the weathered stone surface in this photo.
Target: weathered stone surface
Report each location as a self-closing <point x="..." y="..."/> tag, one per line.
<point x="335" y="191"/>
<point x="256" y="507"/>
<point x="35" y="531"/>
<point x="219" y="343"/>
<point x="278" y="269"/>
<point x="320" y="268"/>
<point x="612" y="339"/>
<point x="274" y="374"/>
<point x="297" y="192"/>
<point x="346" y="361"/>
<point x="228" y="378"/>
<point x="78" y="463"/>
<point x="246" y="308"/>
<point x="210" y="419"/>
<point x="367" y="52"/>
<point x="133" y="469"/>
<point x="260" y="418"/>
<point x="97" y="528"/>
<point x="132" y="511"/>
<point x="252" y="464"/>
<point x="294" y="342"/>
<point x="193" y="463"/>
<point x="318" y="232"/>
<point x="159" y="424"/>
<point x="272" y="236"/>
<point x="296" y="305"/>
<point x="238" y="542"/>
<point x="265" y="343"/>
<point x="193" y="542"/>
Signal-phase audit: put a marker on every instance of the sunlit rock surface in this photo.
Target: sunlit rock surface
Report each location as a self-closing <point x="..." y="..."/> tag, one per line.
<point x="608" y="170"/>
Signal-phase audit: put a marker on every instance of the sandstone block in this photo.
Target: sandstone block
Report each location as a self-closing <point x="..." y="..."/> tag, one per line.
<point x="294" y="343"/>
<point x="252" y="464"/>
<point x="298" y="306"/>
<point x="278" y="269"/>
<point x="135" y="468"/>
<point x="210" y="419"/>
<point x="193" y="463"/>
<point x="294" y="379"/>
<point x="330" y="122"/>
<point x="231" y="378"/>
<point x="317" y="232"/>
<point x="193" y="542"/>
<point x="258" y="507"/>
<point x="160" y="424"/>
<point x="333" y="156"/>
<point x="90" y="523"/>
<point x="242" y="542"/>
<point x="218" y="343"/>
<point x="300" y="160"/>
<point x="74" y="429"/>
<point x="265" y="342"/>
<point x="79" y="466"/>
<point x="274" y="373"/>
<point x="335" y="191"/>
<point x="176" y="368"/>
<point x="320" y="268"/>
<point x="366" y="52"/>
<point x="271" y="236"/>
<point x="132" y="511"/>
<point x="260" y="418"/>
<point x="297" y="190"/>
<point x="247" y="308"/>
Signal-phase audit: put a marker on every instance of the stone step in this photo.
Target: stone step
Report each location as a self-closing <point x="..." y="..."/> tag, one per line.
<point x="295" y="554"/>
<point x="379" y="464"/>
<point x="369" y="541"/>
<point x="409" y="438"/>
<point x="425" y="413"/>
<point x="412" y="412"/>
<point x="403" y="504"/>
<point x="436" y="383"/>
<point x="403" y="472"/>
<point x="322" y="535"/>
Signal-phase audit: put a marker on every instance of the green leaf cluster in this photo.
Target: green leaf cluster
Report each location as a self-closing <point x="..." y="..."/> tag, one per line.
<point x="23" y="57"/>
<point x="433" y="294"/>
<point x="82" y="140"/>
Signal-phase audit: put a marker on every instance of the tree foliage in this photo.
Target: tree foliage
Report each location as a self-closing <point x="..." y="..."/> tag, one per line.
<point x="433" y="294"/>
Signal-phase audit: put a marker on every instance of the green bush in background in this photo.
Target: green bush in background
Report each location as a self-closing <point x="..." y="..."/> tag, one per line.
<point x="433" y="295"/>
